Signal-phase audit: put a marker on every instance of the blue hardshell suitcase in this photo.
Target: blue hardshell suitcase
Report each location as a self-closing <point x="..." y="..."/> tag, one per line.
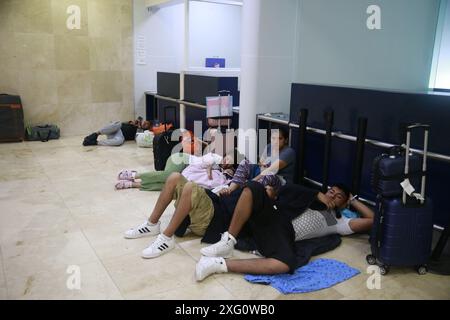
<point x="402" y="235"/>
<point x="388" y="172"/>
<point x="403" y="226"/>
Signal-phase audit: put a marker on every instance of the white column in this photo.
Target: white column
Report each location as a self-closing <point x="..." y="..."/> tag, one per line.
<point x="268" y="50"/>
<point x="251" y="12"/>
<point x="185" y="64"/>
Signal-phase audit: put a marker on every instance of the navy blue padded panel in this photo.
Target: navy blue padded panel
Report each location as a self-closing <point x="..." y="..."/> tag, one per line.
<point x="385" y="111"/>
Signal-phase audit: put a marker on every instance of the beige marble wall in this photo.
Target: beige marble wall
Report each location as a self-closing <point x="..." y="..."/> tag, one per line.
<point x="78" y="79"/>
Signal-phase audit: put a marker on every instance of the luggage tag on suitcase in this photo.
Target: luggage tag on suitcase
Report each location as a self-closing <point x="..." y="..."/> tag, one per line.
<point x="407" y="186"/>
<point x="419" y="197"/>
<point x="409" y="189"/>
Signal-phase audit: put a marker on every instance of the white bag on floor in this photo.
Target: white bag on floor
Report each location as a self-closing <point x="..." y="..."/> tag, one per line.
<point x="145" y="139"/>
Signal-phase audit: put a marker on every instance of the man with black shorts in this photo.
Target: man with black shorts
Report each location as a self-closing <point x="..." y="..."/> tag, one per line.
<point x="276" y="222"/>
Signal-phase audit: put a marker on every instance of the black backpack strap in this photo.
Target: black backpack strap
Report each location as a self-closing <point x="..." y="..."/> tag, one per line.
<point x="48" y="136"/>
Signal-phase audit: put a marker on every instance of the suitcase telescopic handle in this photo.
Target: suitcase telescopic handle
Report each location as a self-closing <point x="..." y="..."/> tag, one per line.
<point x="224" y="92"/>
<point x="425" y="156"/>
<point x="417" y="126"/>
<point x="329" y="122"/>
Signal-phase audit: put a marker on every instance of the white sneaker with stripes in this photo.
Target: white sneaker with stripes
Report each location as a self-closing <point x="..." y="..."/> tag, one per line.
<point x="161" y="245"/>
<point x="224" y="248"/>
<point x="144" y="230"/>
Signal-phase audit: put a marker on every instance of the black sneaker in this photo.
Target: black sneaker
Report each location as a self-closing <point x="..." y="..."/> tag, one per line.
<point x="90" y="140"/>
<point x="93" y="136"/>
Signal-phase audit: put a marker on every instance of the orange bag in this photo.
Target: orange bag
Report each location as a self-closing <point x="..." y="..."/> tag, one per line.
<point x="162" y="128"/>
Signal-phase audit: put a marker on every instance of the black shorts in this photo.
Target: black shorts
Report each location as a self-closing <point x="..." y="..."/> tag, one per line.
<point x="274" y="235"/>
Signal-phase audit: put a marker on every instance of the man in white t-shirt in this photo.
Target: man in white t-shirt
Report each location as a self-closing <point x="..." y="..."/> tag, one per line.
<point x="319" y="223"/>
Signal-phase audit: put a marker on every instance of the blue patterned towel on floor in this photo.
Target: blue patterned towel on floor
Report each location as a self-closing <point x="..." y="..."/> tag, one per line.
<point x="317" y="275"/>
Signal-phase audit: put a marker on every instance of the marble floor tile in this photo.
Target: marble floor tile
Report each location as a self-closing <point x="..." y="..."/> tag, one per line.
<point x="139" y="278"/>
<point x="57" y="171"/>
<point x="17" y="159"/>
<point x="108" y="242"/>
<point x="2" y="273"/>
<point x="73" y="141"/>
<point x="22" y="173"/>
<point x="93" y="283"/>
<point x="38" y="146"/>
<point x="3" y="293"/>
<point x="26" y="226"/>
<point x="12" y="163"/>
<point x="3" y="288"/>
<point x="356" y="284"/>
<point x="15" y="188"/>
<point x="30" y="203"/>
<point x="14" y="146"/>
<point x="117" y="213"/>
<point x="426" y="287"/>
<point x="212" y="290"/>
<point x="87" y="192"/>
<point x="390" y="289"/>
<point x="49" y="155"/>
<point x="27" y="257"/>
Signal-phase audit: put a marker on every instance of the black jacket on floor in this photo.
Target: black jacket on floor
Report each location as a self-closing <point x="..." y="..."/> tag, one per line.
<point x="304" y="249"/>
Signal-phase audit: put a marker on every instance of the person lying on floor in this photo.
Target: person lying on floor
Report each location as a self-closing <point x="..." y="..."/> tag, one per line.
<point x="178" y="162"/>
<point x="209" y="171"/>
<point x="275" y="168"/>
<point x="276" y="222"/>
<point x="153" y="180"/>
<point x="114" y="136"/>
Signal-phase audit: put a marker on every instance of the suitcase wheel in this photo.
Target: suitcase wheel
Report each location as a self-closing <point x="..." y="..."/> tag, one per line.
<point x="371" y="260"/>
<point x="422" y="270"/>
<point x="384" y="270"/>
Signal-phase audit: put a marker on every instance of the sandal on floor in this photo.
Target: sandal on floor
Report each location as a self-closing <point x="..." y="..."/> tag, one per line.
<point x="127" y="175"/>
<point x="124" y="184"/>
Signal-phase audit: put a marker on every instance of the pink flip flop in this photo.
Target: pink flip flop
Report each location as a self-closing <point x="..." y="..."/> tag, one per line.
<point x="127" y="175"/>
<point x="124" y="184"/>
